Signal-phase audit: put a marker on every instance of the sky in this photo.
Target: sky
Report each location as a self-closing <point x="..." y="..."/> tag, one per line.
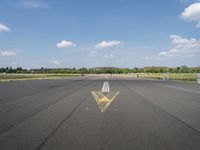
<point x="94" y="33"/>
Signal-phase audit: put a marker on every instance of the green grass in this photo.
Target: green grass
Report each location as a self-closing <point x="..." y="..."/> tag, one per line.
<point x="172" y="76"/>
<point x="14" y="77"/>
<point x="191" y="77"/>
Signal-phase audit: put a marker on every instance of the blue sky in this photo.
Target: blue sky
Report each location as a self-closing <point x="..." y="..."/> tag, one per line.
<point x="91" y="33"/>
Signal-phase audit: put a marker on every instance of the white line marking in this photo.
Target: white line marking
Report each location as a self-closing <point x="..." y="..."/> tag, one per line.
<point x="105" y="87"/>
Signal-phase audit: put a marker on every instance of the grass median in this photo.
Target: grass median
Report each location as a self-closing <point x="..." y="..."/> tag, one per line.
<point x="16" y="77"/>
<point x="189" y="77"/>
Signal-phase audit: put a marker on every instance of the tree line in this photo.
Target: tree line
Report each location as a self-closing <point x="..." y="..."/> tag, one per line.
<point x="101" y="70"/>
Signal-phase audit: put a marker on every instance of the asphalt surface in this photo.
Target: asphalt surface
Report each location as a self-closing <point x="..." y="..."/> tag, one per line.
<point x="63" y="115"/>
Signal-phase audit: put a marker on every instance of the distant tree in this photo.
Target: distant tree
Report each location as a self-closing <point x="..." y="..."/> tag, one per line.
<point x="83" y="70"/>
<point x="185" y="69"/>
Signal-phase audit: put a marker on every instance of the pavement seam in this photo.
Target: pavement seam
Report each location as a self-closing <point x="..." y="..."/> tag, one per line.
<point x="23" y="101"/>
<point x="35" y="93"/>
<point x="176" y="118"/>
<point x="61" y="123"/>
<point x="33" y="114"/>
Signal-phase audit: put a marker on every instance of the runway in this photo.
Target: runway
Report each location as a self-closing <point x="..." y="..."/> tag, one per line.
<point x="66" y="114"/>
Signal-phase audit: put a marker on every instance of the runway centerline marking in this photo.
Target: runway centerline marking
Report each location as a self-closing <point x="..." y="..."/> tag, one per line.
<point x="105" y="88"/>
<point x="104" y="101"/>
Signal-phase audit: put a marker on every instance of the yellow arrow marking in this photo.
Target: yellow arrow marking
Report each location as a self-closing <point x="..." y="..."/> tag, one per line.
<point x="104" y="101"/>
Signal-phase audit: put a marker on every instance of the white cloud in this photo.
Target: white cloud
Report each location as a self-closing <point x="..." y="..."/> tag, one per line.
<point x="4" y="28"/>
<point x="192" y="13"/>
<point x="147" y="57"/>
<point x="107" y="44"/>
<point x="55" y="62"/>
<point x="65" y="44"/>
<point x="182" y="47"/>
<point x="109" y="56"/>
<point x="163" y="54"/>
<point x="92" y="53"/>
<point x="31" y="4"/>
<point x="7" y="53"/>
